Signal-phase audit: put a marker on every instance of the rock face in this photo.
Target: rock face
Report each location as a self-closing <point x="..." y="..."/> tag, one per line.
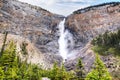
<point x="33" y="55"/>
<point x="87" y="56"/>
<point x="33" y="23"/>
<point x="87" y="23"/>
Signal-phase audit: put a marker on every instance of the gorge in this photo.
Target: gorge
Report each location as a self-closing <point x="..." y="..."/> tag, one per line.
<point x="51" y="37"/>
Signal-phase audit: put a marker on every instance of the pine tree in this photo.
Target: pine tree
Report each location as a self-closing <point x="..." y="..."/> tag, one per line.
<point x="99" y="72"/>
<point x="80" y="70"/>
<point x="65" y="75"/>
<point x="54" y="72"/>
<point x="11" y="68"/>
<point x="1" y="73"/>
<point x="4" y="41"/>
<point x="60" y="73"/>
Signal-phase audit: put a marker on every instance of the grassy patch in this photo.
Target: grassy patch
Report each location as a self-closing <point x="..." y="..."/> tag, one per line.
<point x="106" y="50"/>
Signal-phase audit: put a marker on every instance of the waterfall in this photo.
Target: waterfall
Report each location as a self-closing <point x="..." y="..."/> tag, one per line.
<point x="65" y="41"/>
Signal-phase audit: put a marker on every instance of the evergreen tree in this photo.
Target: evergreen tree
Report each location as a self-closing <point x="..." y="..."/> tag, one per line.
<point x="54" y="72"/>
<point x="60" y="73"/>
<point x="80" y="74"/>
<point x="108" y="38"/>
<point x="1" y="73"/>
<point x="99" y="72"/>
<point x="12" y="69"/>
<point x="65" y="75"/>
<point x="4" y="41"/>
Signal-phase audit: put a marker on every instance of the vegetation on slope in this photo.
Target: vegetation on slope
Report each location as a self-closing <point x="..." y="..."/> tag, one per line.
<point x="11" y="68"/>
<point x="109" y="44"/>
<point x="100" y="72"/>
<point x="80" y="72"/>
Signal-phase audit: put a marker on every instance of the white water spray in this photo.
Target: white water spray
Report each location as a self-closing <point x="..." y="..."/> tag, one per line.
<point x="65" y="41"/>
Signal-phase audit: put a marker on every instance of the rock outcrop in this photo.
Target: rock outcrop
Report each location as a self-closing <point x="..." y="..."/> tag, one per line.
<point x="87" y="23"/>
<point x="35" y="24"/>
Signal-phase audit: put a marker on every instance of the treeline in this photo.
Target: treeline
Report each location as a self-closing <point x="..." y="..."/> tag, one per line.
<point x="107" y="43"/>
<point x="108" y="39"/>
<point x="11" y="68"/>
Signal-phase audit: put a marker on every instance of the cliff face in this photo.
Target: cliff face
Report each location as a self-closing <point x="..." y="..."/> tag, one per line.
<point x="87" y="23"/>
<point x="33" y="23"/>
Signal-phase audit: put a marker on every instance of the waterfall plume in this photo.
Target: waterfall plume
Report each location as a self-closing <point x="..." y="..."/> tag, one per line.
<point x="65" y="41"/>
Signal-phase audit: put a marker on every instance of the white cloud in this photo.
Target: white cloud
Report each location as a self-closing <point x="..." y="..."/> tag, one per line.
<point x="64" y="7"/>
<point x="77" y="0"/>
<point x="50" y="2"/>
<point x="45" y="2"/>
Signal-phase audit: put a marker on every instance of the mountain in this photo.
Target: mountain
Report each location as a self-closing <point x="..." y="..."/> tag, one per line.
<point x="33" y="23"/>
<point x="87" y="23"/>
<point x="37" y="30"/>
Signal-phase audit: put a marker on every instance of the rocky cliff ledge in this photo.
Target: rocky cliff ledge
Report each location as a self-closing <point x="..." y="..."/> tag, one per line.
<point x="87" y="23"/>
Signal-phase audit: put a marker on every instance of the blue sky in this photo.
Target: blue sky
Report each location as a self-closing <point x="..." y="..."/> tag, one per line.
<point x="65" y="7"/>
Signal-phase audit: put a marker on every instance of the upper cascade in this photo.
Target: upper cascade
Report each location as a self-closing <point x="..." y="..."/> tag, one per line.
<point x="65" y="41"/>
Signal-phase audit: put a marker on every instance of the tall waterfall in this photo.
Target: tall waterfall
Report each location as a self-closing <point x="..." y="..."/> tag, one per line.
<point x="65" y="41"/>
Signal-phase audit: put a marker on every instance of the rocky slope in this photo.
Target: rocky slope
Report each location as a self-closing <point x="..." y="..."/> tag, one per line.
<point x="33" y="55"/>
<point x="87" y="23"/>
<point x="33" y="23"/>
